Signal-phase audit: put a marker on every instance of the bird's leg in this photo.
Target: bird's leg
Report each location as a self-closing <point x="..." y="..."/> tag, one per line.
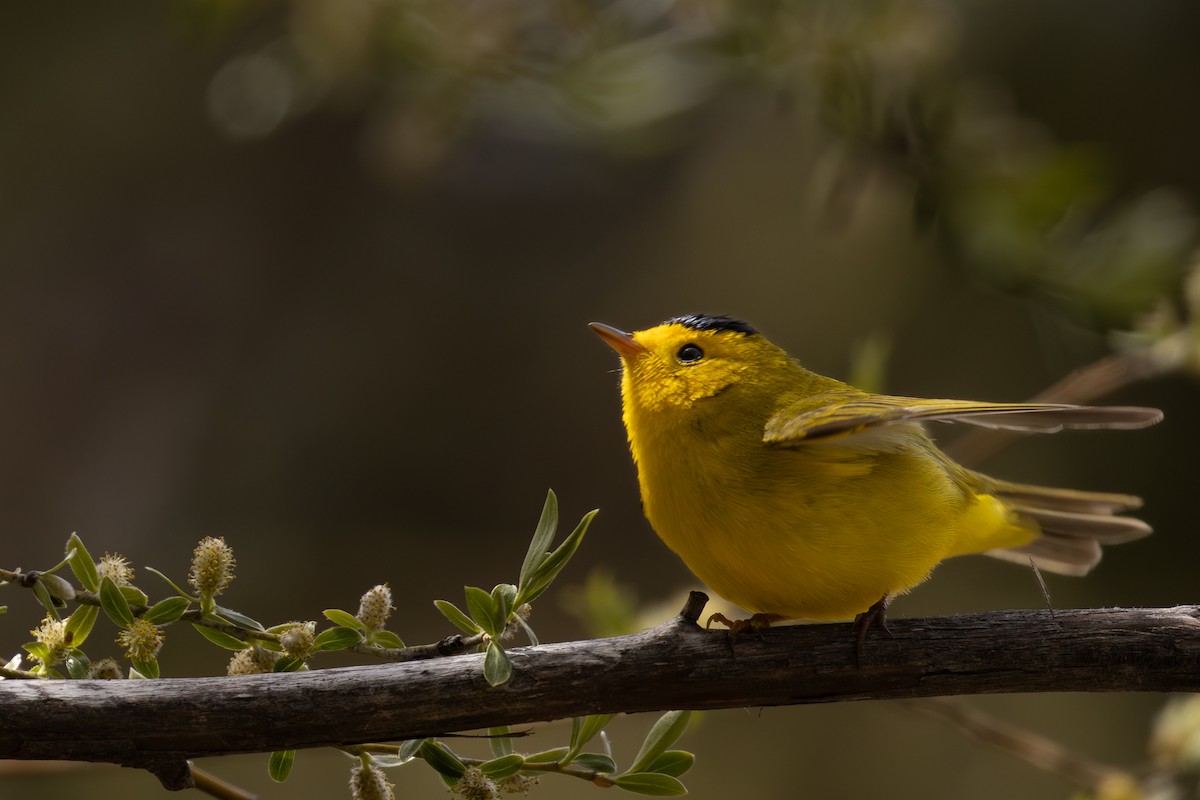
<point x="755" y="623"/>
<point x="875" y="615"/>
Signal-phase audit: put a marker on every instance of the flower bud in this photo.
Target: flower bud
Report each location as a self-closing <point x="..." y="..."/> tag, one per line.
<point x="142" y="640"/>
<point x="518" y="784"/>
<point x="212" y="566"/>
<point x="116" y="567"/>
<point x="252" y="661"/>
<point x="370" y="783"/>
<point x="59" y="588"/>
<point x="52" y="633"/>
<point x="375" y="607"/>
<point x="475" y="785"/>
<point x="104" y="669"/>
<point x="297" y="641"/>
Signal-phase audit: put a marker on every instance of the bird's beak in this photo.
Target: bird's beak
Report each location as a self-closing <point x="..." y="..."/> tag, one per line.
<point x="617" y="339"/>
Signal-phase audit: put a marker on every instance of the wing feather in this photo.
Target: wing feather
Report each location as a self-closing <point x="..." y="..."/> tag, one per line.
<point x="838" y="415"/>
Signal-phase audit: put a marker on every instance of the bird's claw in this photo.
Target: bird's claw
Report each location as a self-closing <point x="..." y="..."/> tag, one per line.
<point x="757" y="622"/>
<point x="876" y="615"/>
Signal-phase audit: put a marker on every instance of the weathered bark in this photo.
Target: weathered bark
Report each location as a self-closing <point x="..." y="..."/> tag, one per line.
<point x="159" y="724"/>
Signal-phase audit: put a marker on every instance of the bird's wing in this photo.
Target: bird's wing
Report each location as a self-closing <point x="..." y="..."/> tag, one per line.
<point x="811" y="419"/>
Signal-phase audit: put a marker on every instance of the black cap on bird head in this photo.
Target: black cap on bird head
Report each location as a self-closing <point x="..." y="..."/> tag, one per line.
<point x="708" y="322"/>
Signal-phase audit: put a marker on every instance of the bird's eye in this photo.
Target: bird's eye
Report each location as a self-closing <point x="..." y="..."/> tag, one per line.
<point x="689" y="354"/>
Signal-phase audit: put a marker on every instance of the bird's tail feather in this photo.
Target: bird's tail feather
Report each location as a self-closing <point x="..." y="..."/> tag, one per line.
<point x="1074" y="525"/>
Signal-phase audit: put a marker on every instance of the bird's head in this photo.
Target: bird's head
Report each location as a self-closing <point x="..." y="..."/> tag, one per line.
<point x="687" y="359"/>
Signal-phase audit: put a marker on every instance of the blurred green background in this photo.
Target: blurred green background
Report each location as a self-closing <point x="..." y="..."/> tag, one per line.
<point x="315" y="276"/>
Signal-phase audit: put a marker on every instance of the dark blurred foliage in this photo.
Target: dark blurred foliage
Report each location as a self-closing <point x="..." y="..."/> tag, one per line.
<point x="314" y="276"/>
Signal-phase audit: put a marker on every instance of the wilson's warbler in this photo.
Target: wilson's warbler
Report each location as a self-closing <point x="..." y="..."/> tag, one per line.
<point x="796" y="496"/>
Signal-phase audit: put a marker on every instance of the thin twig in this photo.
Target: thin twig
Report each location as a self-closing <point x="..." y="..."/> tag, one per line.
<point x="453" y="645"/>
<point x="1022" y="743"/>
<point x="1103" y="377"/>
<point x="215" y="787"/>
<point x="18" y="674"/>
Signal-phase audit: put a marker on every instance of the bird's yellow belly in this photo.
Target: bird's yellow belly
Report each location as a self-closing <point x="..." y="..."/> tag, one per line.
<point x="820" y="540"/>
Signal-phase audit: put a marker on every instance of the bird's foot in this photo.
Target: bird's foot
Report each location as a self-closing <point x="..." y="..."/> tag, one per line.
<point x="736" y="626"/>
<point x="876" y="615"/>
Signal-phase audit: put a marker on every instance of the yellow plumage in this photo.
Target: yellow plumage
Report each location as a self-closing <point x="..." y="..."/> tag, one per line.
<point x="794" y="495"/>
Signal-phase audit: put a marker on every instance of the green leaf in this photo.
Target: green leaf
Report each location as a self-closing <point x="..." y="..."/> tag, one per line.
<point x="503" y="595"/>
<point x="545" y="573"/>
<point x="77" y="664"/>
<point x="82" y="564"/>
<point x="114" y="603"/>
<point x="651" y="783"/>
<point x="134" y="596"/>
<point x="524" y="623"/>
<point x="389" y="761"/>
<point x="170" y="583"/>
<point x="497" y="666"/>
<point x="385" y="639"/>
<point x="80" y="623"/>
<point x="288" y="664"/>
<point x="543" y="534"/>
<point x="666" y="731"/>
<point x="547" y="756"/>
<point x="457" y="617"/>
<point x="343" y="619"/>
<point x="584" y="729"/>
<point x="220" y="638"/>
<point x="575" y="745"/>
<point x="408" y="748"/>
<point x="280" y="765"/>
<point x="672" y="762"/>
<point x="49" y="603"/>
<point x="38" y="650"/>
<point x="149" y="669"/>
<point x="241" y="620"/>
<point x="168" y="610"/>
<point x="500" y="740"/>
<point x="596" y="762"/>
<point x="479" y="606"/>
<point x="438" y="756"/>
<point x="337" y="639"/>
<point x="503" y="766"/>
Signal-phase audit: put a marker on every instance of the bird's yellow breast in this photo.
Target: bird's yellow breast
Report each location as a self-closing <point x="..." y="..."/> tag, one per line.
<point x="803" y="533"/>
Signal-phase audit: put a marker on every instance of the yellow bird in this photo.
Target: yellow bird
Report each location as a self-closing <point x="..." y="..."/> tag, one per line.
<point x="796" y="496"/>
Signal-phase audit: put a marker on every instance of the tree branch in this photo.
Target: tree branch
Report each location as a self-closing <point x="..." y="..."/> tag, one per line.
<point x="159" y="724"/>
